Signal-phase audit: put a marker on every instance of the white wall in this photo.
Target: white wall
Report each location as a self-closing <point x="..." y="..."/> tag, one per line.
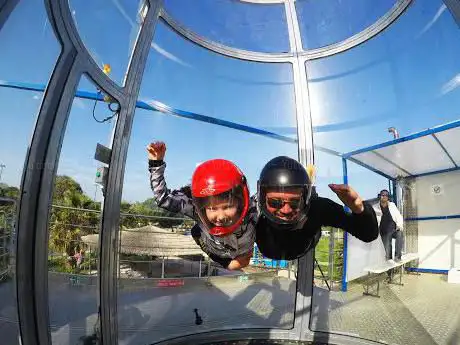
<point x="438" y="240"/>
<point x="361" y="255"/>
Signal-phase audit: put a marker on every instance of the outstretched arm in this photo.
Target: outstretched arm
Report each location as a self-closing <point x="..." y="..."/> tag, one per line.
<point x="174" y="201"/>
<point x="361" y="223"/>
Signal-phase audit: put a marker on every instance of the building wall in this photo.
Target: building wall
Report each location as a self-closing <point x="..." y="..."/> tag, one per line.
<point x="438" y="240"/>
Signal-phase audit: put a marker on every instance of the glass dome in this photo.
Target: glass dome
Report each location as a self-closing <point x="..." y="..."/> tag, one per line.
<point x="361" y="93"/>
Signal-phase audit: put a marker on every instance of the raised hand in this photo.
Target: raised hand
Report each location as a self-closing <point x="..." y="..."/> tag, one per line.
<point x="156" y="150"/>
<point x="349" y="197"/>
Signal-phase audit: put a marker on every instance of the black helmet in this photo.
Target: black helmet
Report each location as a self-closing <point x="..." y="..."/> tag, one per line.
<point x="289" y="191"/>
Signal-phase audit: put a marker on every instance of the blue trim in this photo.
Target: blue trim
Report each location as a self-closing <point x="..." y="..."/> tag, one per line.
<point x="345" y="234"/>
<point x="23" y="86"/>
<point x="395" y="193"/>
<point x="157" y="106"/>
<point x="437" y="172"/>
<point x="444" y="149"/>
<point x="424" y="133"/>
<point x="426" y="270"/>
<point x="364" y="165"/>
<point x="415" y="219"/>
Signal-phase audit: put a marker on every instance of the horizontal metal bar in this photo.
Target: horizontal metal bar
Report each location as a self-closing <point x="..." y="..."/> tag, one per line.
<point x="443" y="171"/>
<point x="429" y="131"/>
<point x="157" y="106"/>
<point x="414" y="219"/>
<point x="426" y="270"/>
<point x="121" y="214"/>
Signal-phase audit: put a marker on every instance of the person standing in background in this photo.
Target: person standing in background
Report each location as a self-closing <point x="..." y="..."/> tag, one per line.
<point x="391" y="225"/>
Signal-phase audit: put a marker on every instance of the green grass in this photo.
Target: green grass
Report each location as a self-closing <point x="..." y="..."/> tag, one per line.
<point x="322" y="256"/>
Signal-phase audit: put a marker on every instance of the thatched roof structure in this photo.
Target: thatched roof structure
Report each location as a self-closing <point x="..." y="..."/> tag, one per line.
<point x="152" y="240"/>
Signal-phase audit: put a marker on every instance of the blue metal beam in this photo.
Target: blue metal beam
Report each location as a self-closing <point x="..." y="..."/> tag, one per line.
<point x="345" y="234"/>
<point x="417" y="135"/>
<point x="417" y="219"/>
<point x="426" y="270"/>
<point x="437" y="172"/>
<point x="157" y="106"/>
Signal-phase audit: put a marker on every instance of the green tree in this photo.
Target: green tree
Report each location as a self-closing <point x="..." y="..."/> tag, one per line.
<point x="8" y="191"/>
<point x="68" y="223"/>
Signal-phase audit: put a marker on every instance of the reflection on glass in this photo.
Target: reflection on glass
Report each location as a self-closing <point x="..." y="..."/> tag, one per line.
<point x="164" y="275"/>
<point x="385" y="83"/>
<point x="255" y="27"/>
<point x="406" y="78"/>
<point x="25" y="32"/>
<point x="326" y="22"/>
<point x="191" y="78"/>
<point x="74" y="223"/>
<point x="109" y="30"/>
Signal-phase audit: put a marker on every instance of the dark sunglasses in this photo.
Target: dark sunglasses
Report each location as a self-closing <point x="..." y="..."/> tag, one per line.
<point x="279" y="203"/>
<point x="384" y="194"/>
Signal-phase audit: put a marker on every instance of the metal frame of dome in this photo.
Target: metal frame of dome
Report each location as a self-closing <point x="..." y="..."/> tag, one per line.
<point x="294" y="35"/>
<point x="42" y="157"/>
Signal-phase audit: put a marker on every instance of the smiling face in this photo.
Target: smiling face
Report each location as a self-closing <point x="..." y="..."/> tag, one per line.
<point x="284" y="205"/>
<point x="222" y="212"/>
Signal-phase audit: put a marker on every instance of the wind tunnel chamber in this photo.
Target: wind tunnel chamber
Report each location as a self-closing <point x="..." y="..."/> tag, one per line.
<point x="361" y="92"/>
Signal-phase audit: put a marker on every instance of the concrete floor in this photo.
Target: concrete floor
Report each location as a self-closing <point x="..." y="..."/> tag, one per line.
<point x="423" y="311"/>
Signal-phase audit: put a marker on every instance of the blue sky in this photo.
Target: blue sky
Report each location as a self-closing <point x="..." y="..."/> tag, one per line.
<point x="406" y="77"/>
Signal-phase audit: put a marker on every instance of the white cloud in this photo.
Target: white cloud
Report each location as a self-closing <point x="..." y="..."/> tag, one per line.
<point x="168" y="55"/>
<point x="433" y="20"/>
<point x="36" y="97"/>
<point x="451" y="85"/>
<point x="123" y="12"/>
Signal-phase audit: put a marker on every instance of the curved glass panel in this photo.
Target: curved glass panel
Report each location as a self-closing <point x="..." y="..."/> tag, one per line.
<point x="164" y="275"/>
<point x="75" y="217"/>
<point x="255" y="27"/>
<point x="406" y="78"/>
<point x="325" y="22"/>
<point x="187" y="77"/>
<point x="26" y="32"/>
<point x="109" y="30"/>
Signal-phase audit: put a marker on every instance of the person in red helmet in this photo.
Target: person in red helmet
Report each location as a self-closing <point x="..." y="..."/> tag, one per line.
<point x="218" y="200"/>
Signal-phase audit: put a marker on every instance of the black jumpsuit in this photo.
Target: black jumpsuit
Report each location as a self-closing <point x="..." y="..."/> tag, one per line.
<point x="291" y="244"/>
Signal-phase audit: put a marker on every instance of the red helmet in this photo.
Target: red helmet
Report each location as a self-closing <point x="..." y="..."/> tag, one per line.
<point x="221" y="196"/>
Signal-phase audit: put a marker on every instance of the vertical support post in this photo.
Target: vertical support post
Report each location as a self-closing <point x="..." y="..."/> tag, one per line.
<point x="331" y="256"/>
<point x="209" y="267"/>
<point x="6" y="7"/>
<point x="306" y="157"/>
<point x="199" y="271"/>
<point x="454" y="8"/>
<point x="163" y="267"/>
<point x="345" y="234"/>
<point x="394" y="191"/>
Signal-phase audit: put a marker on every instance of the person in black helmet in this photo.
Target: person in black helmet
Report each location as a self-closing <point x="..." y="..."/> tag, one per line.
<point x="292" y="214"/>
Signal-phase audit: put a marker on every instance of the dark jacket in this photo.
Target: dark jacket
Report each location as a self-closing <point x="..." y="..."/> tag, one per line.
<point x="292" y="244"/>
<point x="220" y="249"/>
